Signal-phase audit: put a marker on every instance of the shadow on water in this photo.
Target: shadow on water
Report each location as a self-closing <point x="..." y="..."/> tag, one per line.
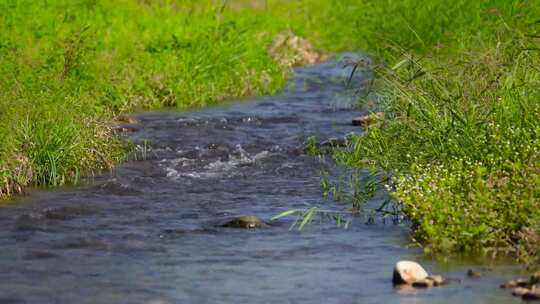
<point x="148" y="234"/>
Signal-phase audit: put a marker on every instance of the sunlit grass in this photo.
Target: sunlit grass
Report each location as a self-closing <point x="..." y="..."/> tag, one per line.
<point x="68" y="66"/>
<point x="462" y="138"/>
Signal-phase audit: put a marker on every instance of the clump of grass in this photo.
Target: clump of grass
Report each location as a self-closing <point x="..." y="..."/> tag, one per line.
<point x="462" y="139"/>
<point x="73" y="65"/>
<point x="304" y="217"/>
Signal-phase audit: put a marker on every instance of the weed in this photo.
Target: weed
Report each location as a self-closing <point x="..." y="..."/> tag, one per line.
<point x="312" y="146"/>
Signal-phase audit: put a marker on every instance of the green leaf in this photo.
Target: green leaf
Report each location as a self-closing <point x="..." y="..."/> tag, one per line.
<point x="286" y="213"/>
<point x="307" y="217"/>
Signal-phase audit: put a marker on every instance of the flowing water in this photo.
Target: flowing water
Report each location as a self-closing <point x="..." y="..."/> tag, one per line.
<point x="149" y="232"/>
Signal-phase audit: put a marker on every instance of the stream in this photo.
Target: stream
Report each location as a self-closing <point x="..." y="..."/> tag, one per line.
<point x="149" y="232"/>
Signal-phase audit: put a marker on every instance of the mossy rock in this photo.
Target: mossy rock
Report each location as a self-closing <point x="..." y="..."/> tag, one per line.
<point x="245" y="221"/>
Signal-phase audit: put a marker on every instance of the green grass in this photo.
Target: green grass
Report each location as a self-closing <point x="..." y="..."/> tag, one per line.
<point x="69" y="66"/>
<point x="462" y="134"/>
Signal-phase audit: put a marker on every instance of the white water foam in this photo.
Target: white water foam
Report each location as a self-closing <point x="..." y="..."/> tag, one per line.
<point x="179" y="167"/>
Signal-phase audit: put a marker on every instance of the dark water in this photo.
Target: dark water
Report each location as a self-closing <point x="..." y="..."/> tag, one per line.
<point x="148" y="233"/>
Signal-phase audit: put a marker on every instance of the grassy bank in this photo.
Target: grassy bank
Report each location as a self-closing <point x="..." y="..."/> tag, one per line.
<point x="69" y="66"/>
<point x="461" y="137"/>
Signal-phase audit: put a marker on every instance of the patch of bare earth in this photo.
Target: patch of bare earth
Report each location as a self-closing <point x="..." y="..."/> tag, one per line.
<point x="289" y="50"/>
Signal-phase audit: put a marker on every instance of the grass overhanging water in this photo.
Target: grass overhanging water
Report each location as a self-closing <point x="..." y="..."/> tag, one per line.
<point x="458" y="81"/>
<point x="461" y="134"/>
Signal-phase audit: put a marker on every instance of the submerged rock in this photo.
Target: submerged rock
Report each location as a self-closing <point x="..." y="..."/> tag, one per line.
<point x="39" y="255"/>
<point x="531" y="295"/>
<point x="527" y="289"/>
<point x="430" y="281"/>
<point x="425" y="283"/>
<point x="437" y="280"/>
<point x="245" y="221"/>
<point x="32" y="221"/>
<point x="408" y="272"/>
<point x="471" y="273"/>
<point x="515" y="283"/>
<point x="67" y="212"/>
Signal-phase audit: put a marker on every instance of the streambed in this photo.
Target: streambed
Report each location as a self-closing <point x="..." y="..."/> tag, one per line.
<point x="147" y="233"/>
